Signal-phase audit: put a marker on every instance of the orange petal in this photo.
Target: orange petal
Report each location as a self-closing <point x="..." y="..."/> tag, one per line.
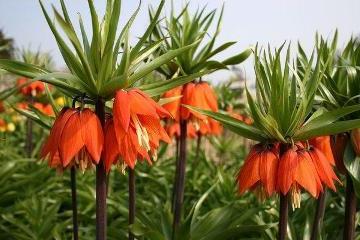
<point x="306" y="175"/>
<point x="210" y="96"/>
<point x="162" y="112"/>
<point x="141" y="105"/>
<point x="92" y="133"/>
<point x="51" y="145"/>
<point x="324" y="145"/>
<point x="173" y="107"/>
<point x="121" y="110"/>
<point x="323" y="168"/>
<point x="187" y="99"/>
<point x="268" y="171"/>
<point x="286" y="171"/>
<point x="248" y="175"/>
<point x="71" y="140"/>
<point x="111" y="147"/>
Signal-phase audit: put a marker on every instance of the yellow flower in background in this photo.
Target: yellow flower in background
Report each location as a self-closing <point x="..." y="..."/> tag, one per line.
<point x="60" y="101"/>
<point x="10" y="127"/>
<point x="16" y="118"/>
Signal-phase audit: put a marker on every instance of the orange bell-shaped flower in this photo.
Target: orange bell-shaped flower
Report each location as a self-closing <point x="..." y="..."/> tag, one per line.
<point x="44" y="108"/>
<point x="173" y="107"/>
<point x="259" y="171"/>
<point x="135" y="129"/>
<point x="76" y="138"/>
<point x="323" y="143"/>
<point x="296" y="171"/>
<point x="198" y="95"/>
<point x="323" y="167"/>
<point x="33" y="89"/>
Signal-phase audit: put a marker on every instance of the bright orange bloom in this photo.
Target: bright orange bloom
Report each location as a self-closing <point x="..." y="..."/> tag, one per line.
<point x="199" y="95"/>
<point x="173" y="107"/>
<point x="22" y="105"/>
<point x="48" y="110"/>
<point x="323" y="143"/>
<point x="248" y="121"/>
<point x="259" y="171"/>
<point x="297" y="170"/>
<point x="211" y="127"/>
<point x="33" y="89"/>
<point x="341" y="140"/>
<point x="173" y="130"/>
<point x="44" y="108"/>
<point x="135" y="129"/>
<point x="323" y="167"/>
<point x="2" y="125"/>
<point x="76" y="138"/>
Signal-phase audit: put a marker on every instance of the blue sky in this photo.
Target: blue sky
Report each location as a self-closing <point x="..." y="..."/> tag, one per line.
<point x="248" y="22"/>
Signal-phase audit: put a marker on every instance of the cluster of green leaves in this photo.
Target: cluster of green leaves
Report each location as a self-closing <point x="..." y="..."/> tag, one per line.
<point x="107" y="62"/>
<point x="341" y="87"/>
<point x="185" y="29"/>
<point x="282" y="108"/>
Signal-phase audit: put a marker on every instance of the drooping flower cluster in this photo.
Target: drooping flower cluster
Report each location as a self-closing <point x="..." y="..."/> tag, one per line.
<point x="197" y="94"/>
<point x="76" y="138"/>
<point x="133" y="133"/>
<point x="135" y="130"/>
<point x="276" y="168"/>
<point x="33" y="89"/>
<point x="44" y="108"/>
